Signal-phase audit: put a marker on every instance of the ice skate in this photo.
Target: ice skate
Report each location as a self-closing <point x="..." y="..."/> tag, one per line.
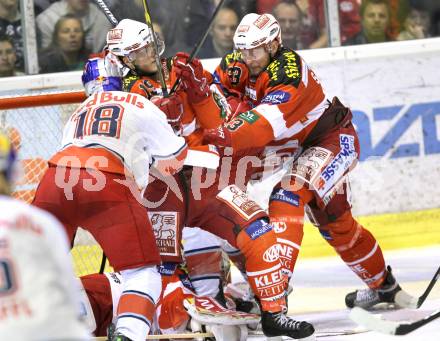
<point x="368" y="298"/>
<point x="278" y="324"/>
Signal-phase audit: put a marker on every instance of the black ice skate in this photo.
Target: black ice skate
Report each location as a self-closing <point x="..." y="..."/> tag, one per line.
<point x="278" y="324"/>
<point x="368" y="298"/>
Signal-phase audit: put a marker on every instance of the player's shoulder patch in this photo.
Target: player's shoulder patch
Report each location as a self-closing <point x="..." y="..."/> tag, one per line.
<point x="285" y="69"/>
<point x="128" y="82"/>
<point x="229" y="59"/>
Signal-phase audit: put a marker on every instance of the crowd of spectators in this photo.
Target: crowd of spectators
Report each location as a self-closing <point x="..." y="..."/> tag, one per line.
<point x="68" y="30"/>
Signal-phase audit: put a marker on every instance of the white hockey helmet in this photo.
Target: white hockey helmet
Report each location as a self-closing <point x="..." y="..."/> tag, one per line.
<point x="129" y="36"/>
<point x="255" y="30"/>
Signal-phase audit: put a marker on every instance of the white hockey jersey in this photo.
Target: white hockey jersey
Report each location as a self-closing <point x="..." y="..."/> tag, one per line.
<point x="38" y="293"/>
<point x="121" y="132"/>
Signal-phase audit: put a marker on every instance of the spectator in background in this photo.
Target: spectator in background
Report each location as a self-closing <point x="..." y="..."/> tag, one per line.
<point x="198" y="13"/>
<point x="10" y="25"/>
<point x="7" y="57"/>
<point x="221" y="37"/>
<point x="349" y="20"/>
<point x="289" y="15"/>
<point x="416" y="25"/>
<point x="94" y="22"/>
<point x="41" y="5"/>
<point x="133" y="9"/>
<point x="375" y="16"/>
<point x="170" y="14"/>
<point x="67" y="50"/>
<point x="266" y="6"/>
<point x="432" y="7"/>
<point x="399" y="10"/>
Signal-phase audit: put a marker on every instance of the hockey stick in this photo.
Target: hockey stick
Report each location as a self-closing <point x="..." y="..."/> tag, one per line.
<point x="103" y="261"/>
<point x="101" y="4"/>
<point x="199" y="44"/>
<point x="163" y="85"/>
<point x="168" y="336"/>
<point x="378" y="324"/>
<point x="402" y="299"/>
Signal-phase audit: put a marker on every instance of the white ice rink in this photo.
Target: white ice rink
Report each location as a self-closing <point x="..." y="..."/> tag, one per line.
<point x="321" y="284"/>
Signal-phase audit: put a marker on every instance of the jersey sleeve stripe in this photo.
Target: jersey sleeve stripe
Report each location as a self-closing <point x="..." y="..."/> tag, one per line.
<point x="172" y="155"/>
<point x="305" y="73"/>
<point x="312" y="116"/>
<point x="274" y="116"/>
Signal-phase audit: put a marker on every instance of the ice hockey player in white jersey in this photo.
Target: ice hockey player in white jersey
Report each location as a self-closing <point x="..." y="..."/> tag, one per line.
<point x="95" y="181"/>
<point x="38" y="294"/>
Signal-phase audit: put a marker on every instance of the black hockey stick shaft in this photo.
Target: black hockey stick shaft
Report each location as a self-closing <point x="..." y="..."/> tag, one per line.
<point x="101" y="4"/>
<point x="429" y="288"/>
<point x="199" y="44"/>
<point x="406" y="328"/>
<point x="103" y="261"/>
<point x="163" y="85"/>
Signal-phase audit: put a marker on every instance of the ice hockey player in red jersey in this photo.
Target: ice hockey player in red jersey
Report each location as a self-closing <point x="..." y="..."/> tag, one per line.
<point x="285" y="110"/>
<point x="132" y="42"/>
<point x="222" y="207"/>
<point x="96" y="181"/>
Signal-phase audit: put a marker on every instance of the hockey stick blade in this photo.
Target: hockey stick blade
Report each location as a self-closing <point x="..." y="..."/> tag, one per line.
<point x="405" y="300"/>
<point x="375" y="323"/>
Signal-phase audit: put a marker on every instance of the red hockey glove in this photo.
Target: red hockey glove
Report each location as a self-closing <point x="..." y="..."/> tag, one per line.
<point x="220" y="136"/>
<point x="192" y="78"/>
<point x="172" y="107"/>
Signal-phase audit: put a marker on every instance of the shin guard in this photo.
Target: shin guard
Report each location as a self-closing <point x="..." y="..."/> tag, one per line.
<point x="203" y="257"/>
<point x="358" y="249"/>
<point x="137" y="305"/>
<point x="263" y="268"/>
<point x="286" y="212"/>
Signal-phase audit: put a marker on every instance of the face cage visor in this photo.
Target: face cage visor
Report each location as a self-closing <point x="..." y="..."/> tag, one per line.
<point x="253" y="54"/>
<point x="147" y="51"/>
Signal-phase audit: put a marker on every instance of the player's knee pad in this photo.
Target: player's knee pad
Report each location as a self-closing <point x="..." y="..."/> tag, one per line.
<point x="357" y="247"/>
<point x="263" y="268"/>
<point x="137" y="304"/>
<point x="203" y="257"/>
<point x="286" y="212"/>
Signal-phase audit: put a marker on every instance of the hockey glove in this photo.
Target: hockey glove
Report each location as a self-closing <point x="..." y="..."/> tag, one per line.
<point x="192" y="78"/>
<point x="220" y="136"/>
<point x="173" y="108"/>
